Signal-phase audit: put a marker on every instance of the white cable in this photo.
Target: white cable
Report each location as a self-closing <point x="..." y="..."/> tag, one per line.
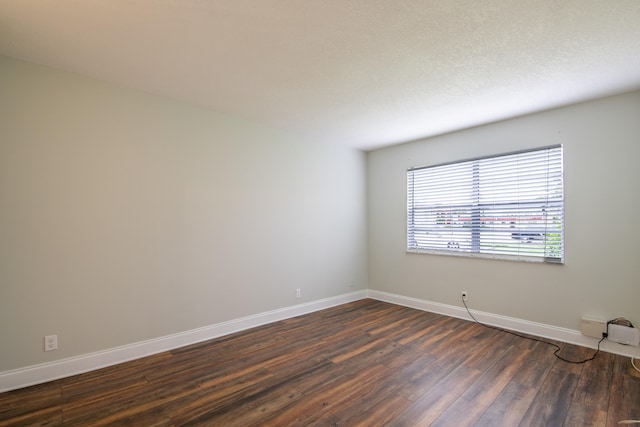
<point x="631" y="421"/>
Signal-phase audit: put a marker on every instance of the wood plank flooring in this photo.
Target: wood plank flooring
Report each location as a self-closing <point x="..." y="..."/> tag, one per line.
<point x="366" y="363"/>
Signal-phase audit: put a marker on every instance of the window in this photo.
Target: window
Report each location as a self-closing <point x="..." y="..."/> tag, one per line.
<point x="509" y="206"/>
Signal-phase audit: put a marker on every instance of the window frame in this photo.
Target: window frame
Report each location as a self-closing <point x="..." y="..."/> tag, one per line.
<point x="475" y="222"/>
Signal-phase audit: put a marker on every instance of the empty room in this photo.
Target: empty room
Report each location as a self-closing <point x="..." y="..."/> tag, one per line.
<point x="330" y="213"/>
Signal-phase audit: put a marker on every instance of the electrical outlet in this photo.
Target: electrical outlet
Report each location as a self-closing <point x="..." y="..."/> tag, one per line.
<point x="298" y="293"/>
<point x="50" y="342"/>
<point x="465" y="296"/>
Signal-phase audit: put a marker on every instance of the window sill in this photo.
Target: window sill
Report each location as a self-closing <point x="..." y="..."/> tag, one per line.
<point x="502" y="257"/>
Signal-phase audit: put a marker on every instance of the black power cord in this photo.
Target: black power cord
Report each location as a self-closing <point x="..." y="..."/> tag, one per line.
<point x="557" y="347"/>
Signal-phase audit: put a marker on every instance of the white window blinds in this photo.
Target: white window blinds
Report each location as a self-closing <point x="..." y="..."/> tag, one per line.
<point x="507" y="206"/>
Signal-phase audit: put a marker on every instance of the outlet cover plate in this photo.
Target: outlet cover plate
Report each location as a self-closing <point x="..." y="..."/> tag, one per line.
<point x="50" y="342"/>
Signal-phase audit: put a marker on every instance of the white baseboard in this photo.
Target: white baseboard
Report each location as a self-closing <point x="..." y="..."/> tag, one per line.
<point x="519" y="325"/>
<point x="36" y="374"/>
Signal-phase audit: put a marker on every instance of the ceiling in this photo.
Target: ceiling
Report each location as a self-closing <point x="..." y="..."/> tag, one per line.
<point x="365" y="73"/>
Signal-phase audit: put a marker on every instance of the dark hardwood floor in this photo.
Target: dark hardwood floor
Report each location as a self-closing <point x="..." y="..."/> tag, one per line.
<point x="366" y="363"/>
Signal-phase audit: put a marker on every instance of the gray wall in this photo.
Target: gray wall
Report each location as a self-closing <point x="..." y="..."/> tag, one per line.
<point x="125" y="216"/>
<point x="602" y="219"/>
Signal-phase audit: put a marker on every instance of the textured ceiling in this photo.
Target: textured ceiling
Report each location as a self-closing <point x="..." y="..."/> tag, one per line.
<point x="366" y="73"/>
